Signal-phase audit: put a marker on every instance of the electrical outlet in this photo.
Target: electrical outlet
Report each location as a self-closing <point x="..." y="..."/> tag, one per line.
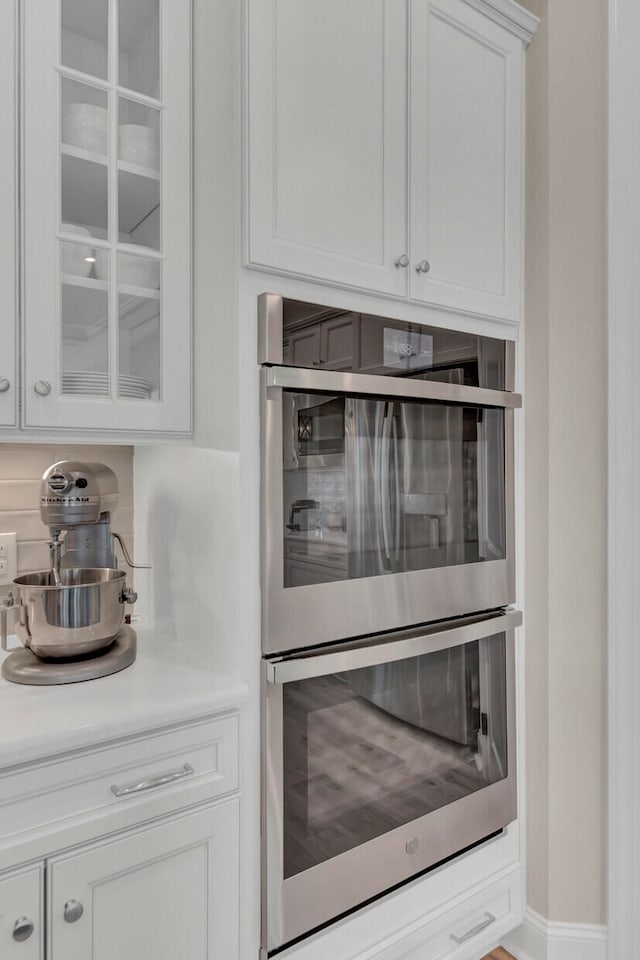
<point x="8" y="557"/>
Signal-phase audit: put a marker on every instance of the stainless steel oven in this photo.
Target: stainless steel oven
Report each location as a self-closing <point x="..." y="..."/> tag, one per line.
<point x="383" y="756"/>
<point x="387" y="473"/>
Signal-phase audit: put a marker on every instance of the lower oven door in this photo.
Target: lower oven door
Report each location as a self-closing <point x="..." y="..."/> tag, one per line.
<point x="382" y="757"/>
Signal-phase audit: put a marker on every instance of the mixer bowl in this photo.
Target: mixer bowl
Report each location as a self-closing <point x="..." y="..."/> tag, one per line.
<point x="80" y="616"/>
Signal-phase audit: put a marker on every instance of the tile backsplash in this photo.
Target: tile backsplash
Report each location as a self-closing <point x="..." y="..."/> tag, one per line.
<point x="21" y="468"/>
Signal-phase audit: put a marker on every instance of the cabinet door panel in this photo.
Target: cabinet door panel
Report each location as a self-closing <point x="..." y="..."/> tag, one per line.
<point x="327" y="134"/>
<point x="21" y="900"/>
<point x="8" y="251"/>
<point x="165" y="892"/>
<point x="465" y="159"/>
<point x="107" y="197"/>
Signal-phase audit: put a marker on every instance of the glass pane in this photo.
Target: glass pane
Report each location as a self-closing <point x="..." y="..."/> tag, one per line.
<point x="85" y="320"/>
<point x="139" y="327"/>
<point x="84" y="187"/>
<point x="85" y="32"/>
<point x="139" y="46"/>
<point x="369" y="750"/>
<point x="139" y="135"/>
<point x="139" y="174"/>
<point x="373" y="487"/>
<point x="315" y="336"/>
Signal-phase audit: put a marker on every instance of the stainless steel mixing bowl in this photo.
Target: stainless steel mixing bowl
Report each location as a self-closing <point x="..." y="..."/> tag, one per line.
<point x="83" y="614"/>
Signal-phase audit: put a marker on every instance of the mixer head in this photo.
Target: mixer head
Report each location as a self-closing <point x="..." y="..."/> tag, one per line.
<point x="74" y="492"/>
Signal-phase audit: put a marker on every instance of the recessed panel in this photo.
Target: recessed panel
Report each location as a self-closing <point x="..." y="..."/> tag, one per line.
<point x="329" y="126"/>
<point x="466" y="119"/>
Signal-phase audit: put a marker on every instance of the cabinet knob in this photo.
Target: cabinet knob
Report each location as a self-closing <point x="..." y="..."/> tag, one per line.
<point x="73" y="910"/>
<point x="42" y="388"/>
<point x="22" y="929"/>
<point x="402" y="261"/>
<point x="423" y="267"/>
<point x="4" y="384"/>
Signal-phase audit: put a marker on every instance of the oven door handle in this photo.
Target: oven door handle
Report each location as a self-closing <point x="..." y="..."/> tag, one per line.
<point x="332" y="381"/>
<point x="384" y="467"/>
<point x="369" y="653"/>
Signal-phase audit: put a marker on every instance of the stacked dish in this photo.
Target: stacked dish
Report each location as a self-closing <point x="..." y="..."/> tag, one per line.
<point x="96" y="384"/>
<point x="85" y="125"/>
<point x="139" y="144"/>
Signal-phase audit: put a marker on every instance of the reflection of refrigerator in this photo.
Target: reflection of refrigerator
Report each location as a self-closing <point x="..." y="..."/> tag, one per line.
<point x="405" y="486"/>
<point x="457" y="693"/>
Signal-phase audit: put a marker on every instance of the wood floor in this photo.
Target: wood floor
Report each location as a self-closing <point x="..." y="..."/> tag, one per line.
<point x="499" y="954"/>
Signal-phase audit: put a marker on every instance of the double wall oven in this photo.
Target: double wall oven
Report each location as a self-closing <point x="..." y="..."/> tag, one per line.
<point x="387" y="571"/>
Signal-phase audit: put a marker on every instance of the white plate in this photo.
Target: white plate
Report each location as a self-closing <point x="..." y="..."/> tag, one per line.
<point x="97" y="384"/>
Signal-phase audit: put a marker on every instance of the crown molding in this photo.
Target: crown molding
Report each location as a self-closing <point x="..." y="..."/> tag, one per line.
<point x="510" y="15"/>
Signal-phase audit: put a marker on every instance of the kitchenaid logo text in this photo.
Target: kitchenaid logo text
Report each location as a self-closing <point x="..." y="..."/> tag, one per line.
<point x="66" y="501"/>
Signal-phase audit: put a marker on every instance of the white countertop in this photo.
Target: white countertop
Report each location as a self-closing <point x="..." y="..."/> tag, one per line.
<point x="158" y="688"/>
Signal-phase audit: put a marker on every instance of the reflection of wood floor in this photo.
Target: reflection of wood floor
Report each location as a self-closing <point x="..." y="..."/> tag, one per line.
<point x="353" y="772"/>
<point x="499" y="954"/>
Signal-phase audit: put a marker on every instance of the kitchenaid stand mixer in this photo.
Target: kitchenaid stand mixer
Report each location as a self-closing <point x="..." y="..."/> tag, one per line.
<point x="70" y="618"/>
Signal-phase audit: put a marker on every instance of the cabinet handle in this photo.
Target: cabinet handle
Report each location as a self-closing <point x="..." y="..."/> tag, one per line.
<point x="489" y="919"/>
<point x="159" y="780"/>
<point x="4" y="384"/>
<point x="42" y="388"/>
<point x="22" y="929"/>
<point x="402" y="261"/>
<point x="423" y="267"/>
<point x="73" y="910"/>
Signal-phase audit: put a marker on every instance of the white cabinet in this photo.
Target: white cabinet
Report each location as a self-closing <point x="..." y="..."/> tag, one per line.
<point x="107" y="195"/>
<point x="136" y="843"/>
<point x="390" y="165"/>
<point x="327" y="121"/>
<point x="21" y="915"/>
<point x="466" y="159"/>
<point x="167" y="891"/>
<point x="8" y="182"/>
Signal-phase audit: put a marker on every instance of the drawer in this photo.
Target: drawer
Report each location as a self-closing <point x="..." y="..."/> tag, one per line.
<point x="470" y="929"/>
<point x="203" y="752"/>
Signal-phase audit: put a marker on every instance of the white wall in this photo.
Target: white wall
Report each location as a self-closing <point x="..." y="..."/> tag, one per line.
<point x="565" y="461"/>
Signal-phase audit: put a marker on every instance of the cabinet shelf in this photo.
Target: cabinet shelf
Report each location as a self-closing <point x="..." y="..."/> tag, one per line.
<point x="88" y="283"/>
<point x="92" y="283"/>
<point x="68" y="150"/>
<point x="84" y="190"/>
<point x="139" y="171"/>
<point x="85" y="301"/>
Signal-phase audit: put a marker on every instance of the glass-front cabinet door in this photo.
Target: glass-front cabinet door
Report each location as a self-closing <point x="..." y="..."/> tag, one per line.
<point x="107" y="196"/>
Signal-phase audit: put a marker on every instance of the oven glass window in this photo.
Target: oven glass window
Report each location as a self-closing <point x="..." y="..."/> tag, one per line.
<point x="373" y="487"/>
<point x="369" y="750"/>
<point x="323" y="337"/>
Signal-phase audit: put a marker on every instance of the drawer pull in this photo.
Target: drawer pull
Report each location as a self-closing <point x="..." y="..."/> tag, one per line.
<point x="489" y="919"/>
<point x="151" y="782"/>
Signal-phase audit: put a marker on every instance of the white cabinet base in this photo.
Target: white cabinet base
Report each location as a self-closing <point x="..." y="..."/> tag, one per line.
<point x="21" y="906"/>
<point x="164" y="892"/>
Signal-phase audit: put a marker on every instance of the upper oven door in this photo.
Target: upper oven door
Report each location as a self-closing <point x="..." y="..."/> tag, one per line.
<point x="386" y="501"/>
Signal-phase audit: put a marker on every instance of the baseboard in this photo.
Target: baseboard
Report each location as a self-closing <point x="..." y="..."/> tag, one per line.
<point x="540" y="939"/>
